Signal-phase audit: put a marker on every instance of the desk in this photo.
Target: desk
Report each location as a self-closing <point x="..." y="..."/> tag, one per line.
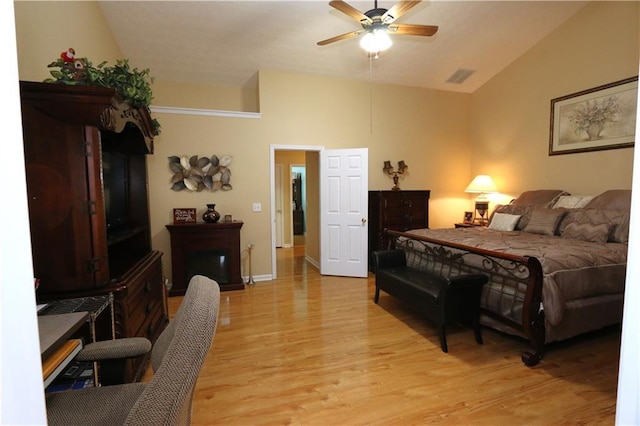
<point x="92" y="305"/>
<point x="54" y="332"/>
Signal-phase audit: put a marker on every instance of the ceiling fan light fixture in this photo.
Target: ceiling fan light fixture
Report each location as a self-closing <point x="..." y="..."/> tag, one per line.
<point x="376" y="41"/>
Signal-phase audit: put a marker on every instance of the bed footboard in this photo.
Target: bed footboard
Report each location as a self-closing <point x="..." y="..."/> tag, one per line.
<point x="513" y="295"/>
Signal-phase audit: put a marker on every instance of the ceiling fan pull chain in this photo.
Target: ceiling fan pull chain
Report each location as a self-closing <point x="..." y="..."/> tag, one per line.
<point x="370" y="95"/>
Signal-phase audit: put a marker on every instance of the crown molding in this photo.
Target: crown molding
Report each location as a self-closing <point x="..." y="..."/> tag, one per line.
<point x="205" y="112"/>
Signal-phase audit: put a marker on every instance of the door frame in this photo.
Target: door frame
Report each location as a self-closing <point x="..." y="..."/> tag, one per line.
<point x="279" y="228"/>
<point x="272" y="162"/>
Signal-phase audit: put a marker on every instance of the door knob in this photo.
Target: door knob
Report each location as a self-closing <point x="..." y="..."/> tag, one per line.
<point x="364" y="220"/>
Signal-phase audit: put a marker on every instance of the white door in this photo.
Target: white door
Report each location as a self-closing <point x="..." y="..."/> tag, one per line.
<point x="343" y="212"/>
<point x="278" y="196"/>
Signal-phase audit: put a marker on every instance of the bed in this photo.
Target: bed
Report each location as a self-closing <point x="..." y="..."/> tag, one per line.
<point x="556" y="263"/>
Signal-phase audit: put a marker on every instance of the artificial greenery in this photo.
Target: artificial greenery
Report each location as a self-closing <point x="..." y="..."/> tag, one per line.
<point x="132" y="84"/>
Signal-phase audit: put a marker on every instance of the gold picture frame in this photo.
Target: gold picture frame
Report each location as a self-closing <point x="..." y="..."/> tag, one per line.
<point x="596" y="119"/>
<point x="468" y="217"/>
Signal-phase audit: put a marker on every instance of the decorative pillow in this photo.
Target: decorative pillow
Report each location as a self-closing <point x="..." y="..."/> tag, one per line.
<point x="572" y="201"/>
<point x="539" y="197"/>
<point x="504" y="222"/>
<point x="619" y="220"/>
<point x="544" y="221"/>
<point x="524" y="211"/>
<point x="588" y="232"/>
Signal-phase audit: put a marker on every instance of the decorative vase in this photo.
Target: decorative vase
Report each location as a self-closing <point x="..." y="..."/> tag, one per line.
<point x="593" y="130"/>
<point x="211" y="215"/>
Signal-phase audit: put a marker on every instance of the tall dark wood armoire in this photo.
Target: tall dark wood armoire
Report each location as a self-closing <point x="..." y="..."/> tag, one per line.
<point x="85" y="154"/>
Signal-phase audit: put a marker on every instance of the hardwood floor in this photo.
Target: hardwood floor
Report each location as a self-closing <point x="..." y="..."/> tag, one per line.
<point x="307" y="349"/>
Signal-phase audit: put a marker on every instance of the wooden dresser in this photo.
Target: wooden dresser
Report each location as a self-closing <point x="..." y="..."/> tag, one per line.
<point x="396" y="210"/>
<point x="85" y="160"/>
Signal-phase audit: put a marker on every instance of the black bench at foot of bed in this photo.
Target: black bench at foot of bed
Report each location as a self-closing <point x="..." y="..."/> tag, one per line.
<point x="442" y="300"/>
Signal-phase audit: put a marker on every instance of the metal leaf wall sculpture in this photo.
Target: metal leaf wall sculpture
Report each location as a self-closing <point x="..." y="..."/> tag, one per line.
<point x="195" y="174"/>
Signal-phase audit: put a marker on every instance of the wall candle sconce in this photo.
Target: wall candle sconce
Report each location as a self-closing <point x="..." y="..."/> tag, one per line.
<point x="481" y="184"/>
<point x="388" y="169"/>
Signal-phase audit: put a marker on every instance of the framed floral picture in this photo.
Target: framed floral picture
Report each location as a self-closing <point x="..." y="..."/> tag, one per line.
<point x="603" y="117"/>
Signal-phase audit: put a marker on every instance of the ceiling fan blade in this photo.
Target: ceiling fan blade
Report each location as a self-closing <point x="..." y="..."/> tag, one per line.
<point x="411" y="29"/>
<point x="397" y="10"/>
<point x="350" y="10"/>
<point x="340" y="37"/>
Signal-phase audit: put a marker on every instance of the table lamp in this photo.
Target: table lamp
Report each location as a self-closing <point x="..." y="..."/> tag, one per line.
<point x="483" y="185"/>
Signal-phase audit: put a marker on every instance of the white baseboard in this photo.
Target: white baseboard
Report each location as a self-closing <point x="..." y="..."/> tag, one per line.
<point x="256" y="278"/>
<point x="312" y="262"/>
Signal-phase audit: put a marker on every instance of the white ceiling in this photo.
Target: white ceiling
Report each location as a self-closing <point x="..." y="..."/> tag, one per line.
<point x="225" y="43"/>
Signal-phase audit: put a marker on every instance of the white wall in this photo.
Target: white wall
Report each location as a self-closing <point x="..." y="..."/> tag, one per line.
<point x="628" y="407"/>
<point x="21" y="393"/>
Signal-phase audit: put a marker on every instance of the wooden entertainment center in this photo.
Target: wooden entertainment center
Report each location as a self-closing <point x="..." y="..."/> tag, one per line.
<point x="85" y="157"/>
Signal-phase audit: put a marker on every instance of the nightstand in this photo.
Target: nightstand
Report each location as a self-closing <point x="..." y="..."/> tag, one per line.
<point x="466" y="225"/>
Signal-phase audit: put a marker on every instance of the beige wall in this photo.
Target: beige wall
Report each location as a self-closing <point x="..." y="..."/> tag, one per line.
<point x="444" y="137"/>
<point x="426" y="128"/>
<point x="312" y="238"/>
<point x="510" y="114"/>
<point x="45" y="29"/>
<point x="189" y="95"/>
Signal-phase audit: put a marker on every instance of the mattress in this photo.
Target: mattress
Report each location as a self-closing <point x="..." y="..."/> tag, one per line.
<point x="572" y="269"/>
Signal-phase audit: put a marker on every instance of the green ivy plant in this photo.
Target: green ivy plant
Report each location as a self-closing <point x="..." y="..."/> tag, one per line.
<point x="132" y="84"/>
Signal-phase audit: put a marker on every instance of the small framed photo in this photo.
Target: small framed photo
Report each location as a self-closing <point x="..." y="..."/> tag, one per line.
<point x="184" y="215"/>
<point x="228" y="218"/>
<point x="468" y="217"/>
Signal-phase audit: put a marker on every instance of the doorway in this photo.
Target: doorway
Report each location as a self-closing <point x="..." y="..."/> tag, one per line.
<point x="299" y="203"/>
<point x="306" y="161"/>
<point x="342" y="244"/>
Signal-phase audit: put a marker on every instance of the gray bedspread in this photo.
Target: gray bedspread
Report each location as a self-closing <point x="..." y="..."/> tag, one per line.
<point x="573" y="269"/>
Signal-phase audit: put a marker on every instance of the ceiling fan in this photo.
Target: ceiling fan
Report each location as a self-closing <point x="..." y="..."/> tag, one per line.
<point x="378" y="23"/>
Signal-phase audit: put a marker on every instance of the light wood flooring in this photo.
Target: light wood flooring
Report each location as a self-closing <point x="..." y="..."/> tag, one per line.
<point x="307" y="349"/>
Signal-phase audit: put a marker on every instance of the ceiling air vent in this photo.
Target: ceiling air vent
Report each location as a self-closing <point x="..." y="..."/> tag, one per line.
<point x="460" y="76"/>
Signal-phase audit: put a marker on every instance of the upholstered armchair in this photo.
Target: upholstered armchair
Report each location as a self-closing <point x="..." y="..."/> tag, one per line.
<point x="176" y="359"/>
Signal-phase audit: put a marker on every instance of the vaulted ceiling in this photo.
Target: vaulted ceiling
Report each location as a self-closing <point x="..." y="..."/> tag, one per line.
<point x="225" y="43"/>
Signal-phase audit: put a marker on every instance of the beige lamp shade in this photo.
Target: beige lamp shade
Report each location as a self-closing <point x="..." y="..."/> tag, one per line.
<point x="482" y="184"/>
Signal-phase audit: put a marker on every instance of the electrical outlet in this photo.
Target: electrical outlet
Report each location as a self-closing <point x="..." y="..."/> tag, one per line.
<point x="257" y="207"/>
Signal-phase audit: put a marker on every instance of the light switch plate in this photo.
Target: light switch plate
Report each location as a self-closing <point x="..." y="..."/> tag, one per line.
<point x="257" y="207"/>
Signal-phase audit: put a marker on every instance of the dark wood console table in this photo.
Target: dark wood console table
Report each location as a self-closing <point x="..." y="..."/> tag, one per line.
<point x="209" y="249"/>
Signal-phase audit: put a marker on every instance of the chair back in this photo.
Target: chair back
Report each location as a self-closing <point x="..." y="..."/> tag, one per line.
<point x="179" y="353"/>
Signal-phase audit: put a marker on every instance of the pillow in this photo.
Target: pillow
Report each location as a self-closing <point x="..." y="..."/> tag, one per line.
<point x="588" y="232"/>
<point x="614" y="199"/>
<point x="524" y="211"/>
<point x="544" y="221"/>
<point x="619" y="220"/>
<point x="572" y="201"/>
<point x="540" y="197"/>
<point x="504" y="221"/>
